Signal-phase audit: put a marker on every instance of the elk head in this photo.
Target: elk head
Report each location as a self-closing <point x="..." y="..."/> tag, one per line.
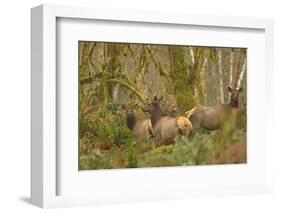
<point x="234" y="95"/>
<point x="131" y="119"/>
<point x="154" y="109"/>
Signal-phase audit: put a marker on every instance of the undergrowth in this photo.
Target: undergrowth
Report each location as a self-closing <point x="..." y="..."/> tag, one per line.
<point x="106" y="143"/>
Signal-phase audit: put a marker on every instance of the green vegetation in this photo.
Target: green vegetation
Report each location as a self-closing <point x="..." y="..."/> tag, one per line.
<point x="107" y="143"/>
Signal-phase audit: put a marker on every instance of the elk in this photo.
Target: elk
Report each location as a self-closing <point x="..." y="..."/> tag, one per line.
<point x="166" y="128"/>
<point x="142" y="128"/>
<point x="214" y="117"/>
<point x="235" y="153"/>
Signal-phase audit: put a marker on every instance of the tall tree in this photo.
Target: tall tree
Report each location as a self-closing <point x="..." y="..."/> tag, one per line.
<point x="112" y="57"/>
<point x="203" y="98"/>
<point x="231" y="69"/>
<point x="183" y="81"/>
<point x="241" y="75"/>
<point x="193" y="67"/>
<point x="219" y="51"/>
<point x="240" y="67"/>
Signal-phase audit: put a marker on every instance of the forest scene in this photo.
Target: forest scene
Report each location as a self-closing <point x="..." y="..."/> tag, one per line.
<point x="148" y="105"/>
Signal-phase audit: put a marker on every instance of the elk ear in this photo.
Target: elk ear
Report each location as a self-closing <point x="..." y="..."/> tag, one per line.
<point x="229" y="89"/>
<point x="240" y="89"/>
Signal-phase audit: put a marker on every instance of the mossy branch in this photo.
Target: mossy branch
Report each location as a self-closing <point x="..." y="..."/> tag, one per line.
<point x="129" y="87"/>
<point x="106" y="74"/>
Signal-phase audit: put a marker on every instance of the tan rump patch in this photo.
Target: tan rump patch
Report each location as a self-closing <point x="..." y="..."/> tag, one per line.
<point x="190" y="112"/>
<point x="184" y="124"/>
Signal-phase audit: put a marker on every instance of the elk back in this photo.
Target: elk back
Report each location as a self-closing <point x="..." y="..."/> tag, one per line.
<point x="167" y="128"/>
<point x="143" y="129"/>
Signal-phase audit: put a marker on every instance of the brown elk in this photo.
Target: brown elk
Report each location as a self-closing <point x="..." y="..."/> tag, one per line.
<point x="235" y="153"/>
<point x="213" y="117"/>
<point x="166" y="128"/>
<point x="142" y="128"/>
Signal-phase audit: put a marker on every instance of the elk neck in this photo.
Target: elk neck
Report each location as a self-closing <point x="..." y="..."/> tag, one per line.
<point x="131" y="121"/>
<point x="156" y="115"/>
<point x="233" y="102"/>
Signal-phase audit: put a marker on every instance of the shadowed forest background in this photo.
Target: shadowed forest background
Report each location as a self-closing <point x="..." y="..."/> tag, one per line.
<point x="114" y="76"/>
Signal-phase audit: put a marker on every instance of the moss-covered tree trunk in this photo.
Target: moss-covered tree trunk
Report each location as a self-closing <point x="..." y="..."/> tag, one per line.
<point x="219" y="52"/>
<point x="183" y="79"/>
<point x="203" y="88"/>
<point x="114" y="66"/>
<point x="86" y="53"/>
<point x="231" y="70"/>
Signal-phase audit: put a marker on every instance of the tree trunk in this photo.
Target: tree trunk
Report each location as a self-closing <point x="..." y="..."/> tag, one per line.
<point x="191" y="52"/>
<point x="114" y="66"/>
<point x="203" y="98"/>
<point x="192" y="57"/>
<point x="183" y="81"/>
<point x="115" y="94"/>
<point x="231" y="69"/>
<point x="220" y="75"/>
<point x="243" y="69"/>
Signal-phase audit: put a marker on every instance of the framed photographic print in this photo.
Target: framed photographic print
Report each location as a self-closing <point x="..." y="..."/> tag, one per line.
<point x="130" y="106"/>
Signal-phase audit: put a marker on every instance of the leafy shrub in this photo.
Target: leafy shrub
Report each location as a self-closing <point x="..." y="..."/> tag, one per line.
<point x="191" y="152"/>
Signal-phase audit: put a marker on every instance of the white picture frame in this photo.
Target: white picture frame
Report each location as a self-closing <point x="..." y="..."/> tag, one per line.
<point x="44" y="153"/>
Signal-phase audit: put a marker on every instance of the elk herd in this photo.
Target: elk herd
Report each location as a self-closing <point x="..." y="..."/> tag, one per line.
<point x="163" y="129"/>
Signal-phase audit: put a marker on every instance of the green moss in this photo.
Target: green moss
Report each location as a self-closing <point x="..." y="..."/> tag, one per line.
<point x="183" y="79"/>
